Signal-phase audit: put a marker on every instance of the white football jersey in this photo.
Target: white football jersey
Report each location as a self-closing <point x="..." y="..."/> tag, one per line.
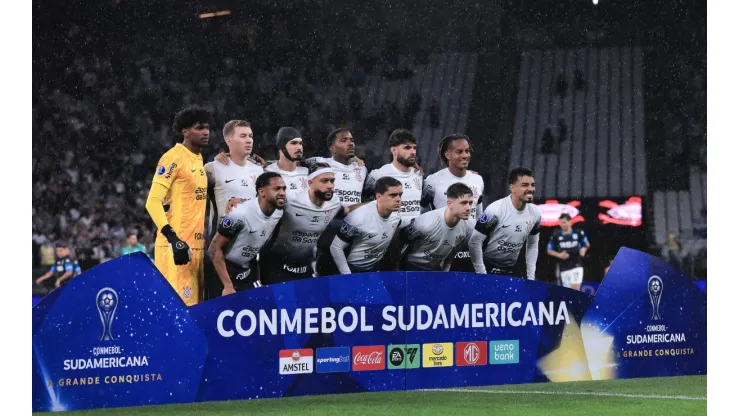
<point x="411" y="182"/>
<point x="249" y="229"/>
<point x="431" y="240"/>
<point x="435" y="190"/>
<point x="506" y="230"/>
<point x="368" y="235"/>
<point x="296" y="182"/>
<point x="233" y="181"/>
<point x="302" y="224"/>
<point x="349" y="180"/>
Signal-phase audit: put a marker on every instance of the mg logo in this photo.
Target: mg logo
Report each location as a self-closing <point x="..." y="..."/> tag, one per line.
<point x="471" y="354"/>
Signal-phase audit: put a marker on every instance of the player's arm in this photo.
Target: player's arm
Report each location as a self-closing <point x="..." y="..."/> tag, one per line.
<point x="368" y="190"/>
<point x="585" y="245"/>
<point x="483" y="227"/>
<point x="69" y="269"/>
<point x="346" y="210"/>
<point x="47" y="275"/>
<point x="228" y="228"/>
<point x="166" y="174"/>
<point x="551" y="248"/>
<point x="533" y="243"/>
<point x="447" y="263"/>
<point x="427" y="195"/>
<point x="344" y="238"/>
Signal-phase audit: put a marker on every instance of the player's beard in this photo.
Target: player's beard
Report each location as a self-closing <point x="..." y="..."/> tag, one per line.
<point x="323" y="196"/>
<point x="406" y="161"/>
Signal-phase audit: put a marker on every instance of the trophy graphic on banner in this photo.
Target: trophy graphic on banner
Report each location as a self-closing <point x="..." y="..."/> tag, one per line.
<point x="107" y="302"/>
<point x="655" y="290"/>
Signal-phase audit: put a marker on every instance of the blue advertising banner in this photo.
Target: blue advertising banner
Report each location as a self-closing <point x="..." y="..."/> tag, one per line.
<point x="118" y="335"/>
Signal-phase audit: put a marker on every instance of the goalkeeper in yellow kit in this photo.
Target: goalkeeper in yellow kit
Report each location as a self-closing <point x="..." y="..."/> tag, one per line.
<point x="177" y="205"/>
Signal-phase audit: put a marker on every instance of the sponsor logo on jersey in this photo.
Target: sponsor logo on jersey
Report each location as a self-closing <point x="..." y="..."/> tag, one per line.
<point x="296" y="361"/>
<point x="345" y="176"/>
<point x="437" y="355"/>
<point x="471" y="353"/>
<point x="368" y="358"/>
<point x="504" y="352"/>
<point x="483" y="218"/>
<point x="160" y="170"/>
<point x="333" y="360"/>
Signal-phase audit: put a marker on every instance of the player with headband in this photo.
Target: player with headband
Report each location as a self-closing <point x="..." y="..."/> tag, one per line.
<point x="455" y="152"/>
<point x="290" y="255"/>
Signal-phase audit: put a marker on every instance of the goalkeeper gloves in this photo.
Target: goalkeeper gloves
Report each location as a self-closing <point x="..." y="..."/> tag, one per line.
<point x="181" y="252"/>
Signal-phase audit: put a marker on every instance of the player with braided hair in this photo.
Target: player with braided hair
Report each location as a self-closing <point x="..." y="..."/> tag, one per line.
<point x="455" y="152"/>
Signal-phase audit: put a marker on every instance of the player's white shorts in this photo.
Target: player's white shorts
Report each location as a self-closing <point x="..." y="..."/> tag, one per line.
<point x="572" y="277"/>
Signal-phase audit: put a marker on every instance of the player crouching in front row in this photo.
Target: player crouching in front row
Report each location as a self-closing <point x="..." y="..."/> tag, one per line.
<point x="434" y="236"/>
<point x="366" y="233"/>
<point x="241" y="234"/>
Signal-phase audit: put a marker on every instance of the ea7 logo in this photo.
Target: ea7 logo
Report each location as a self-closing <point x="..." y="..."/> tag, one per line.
<point x="345" y="176"/>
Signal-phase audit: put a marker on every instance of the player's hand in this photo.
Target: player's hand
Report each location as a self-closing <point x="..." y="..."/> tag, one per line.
<point x="582" y="252"/>
<point x="57" y="283"/>
<point x="181" y="252"/>
<point x="357" y="160"/>
<point x="564" y="255"/>
<point x="232" y="203"/>
<point x="223" y="158"/>
<point x="228" y="290"/>
<point x="38" y="281"/>
<point x="259" y="160"/>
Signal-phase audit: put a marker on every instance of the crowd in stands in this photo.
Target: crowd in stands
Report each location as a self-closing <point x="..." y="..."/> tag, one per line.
<point x="103" y="107"/>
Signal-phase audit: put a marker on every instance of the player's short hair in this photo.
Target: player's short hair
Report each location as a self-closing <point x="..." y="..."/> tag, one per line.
<point x="517" y="173"/>
<point x="264" y="180"/>
<point x="132" y="233"/>
<point x="62" y="244"/>
<point x="445" y="143"/>
<point x="382" y="185"/>
<point x="313" y="167"/>
<point x="401" y="136"/>
<point x="189" y="117"/>
<point x="333" y="136"/>
<point x="564" y="216"/>
<point x="458" y="190"/>
<point x="233" y="124"/>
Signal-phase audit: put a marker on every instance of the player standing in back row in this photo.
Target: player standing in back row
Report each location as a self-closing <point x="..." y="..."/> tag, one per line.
<point x="290" y="146"/>
<point x="177" y="204"/>
<point x="403" y="168"/>
<point x="455" y="152"/>
<point x="232" y="180"/>
<point x="505" y="226"/>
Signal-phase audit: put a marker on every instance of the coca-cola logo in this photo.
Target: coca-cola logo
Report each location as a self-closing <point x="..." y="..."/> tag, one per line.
<point x="368" y="358"/>
<point x="372" y="358"/>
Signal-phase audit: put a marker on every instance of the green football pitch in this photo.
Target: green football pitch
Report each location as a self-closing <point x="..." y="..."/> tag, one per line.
<point x="650" y="396"/>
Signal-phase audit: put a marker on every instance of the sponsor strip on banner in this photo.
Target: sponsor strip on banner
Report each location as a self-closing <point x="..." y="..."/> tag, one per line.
<point x="296" y="361"/>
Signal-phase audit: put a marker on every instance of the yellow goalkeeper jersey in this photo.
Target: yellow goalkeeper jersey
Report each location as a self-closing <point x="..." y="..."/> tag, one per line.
<point x="181" y="171"/>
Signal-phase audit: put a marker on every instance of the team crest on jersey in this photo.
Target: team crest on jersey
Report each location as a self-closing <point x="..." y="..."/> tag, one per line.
<point x="530" y="225"/>
<point x="327" y="217"/>
<point x="417" y="182"/>
<point x="358" y="175"/>
<point x="187" y="292"/>
<point x="304" y="183"/>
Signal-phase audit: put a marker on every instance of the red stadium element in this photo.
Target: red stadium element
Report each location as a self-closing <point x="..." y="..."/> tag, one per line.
<point x="629" y="213"/>
<point x="551" y="211"/>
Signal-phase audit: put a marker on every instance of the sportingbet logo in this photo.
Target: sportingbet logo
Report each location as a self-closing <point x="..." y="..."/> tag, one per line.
<point x="437" y="355"/>
<point x="471" y="353"/>
<point x="332" y="360"/>
<point x="403" y="356"/>
<point x="504" y="352"/>
<point x="368" y="358"/>
<point x="296" y="361"/>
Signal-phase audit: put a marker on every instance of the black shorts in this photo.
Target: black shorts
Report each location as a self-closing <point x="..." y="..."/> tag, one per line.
<point x="461" y="261"/>
<point x="325" y="265"/>
<point x="501" y="271"/>
<point x="241" y="278"/>
<point x="273" y="270"/>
